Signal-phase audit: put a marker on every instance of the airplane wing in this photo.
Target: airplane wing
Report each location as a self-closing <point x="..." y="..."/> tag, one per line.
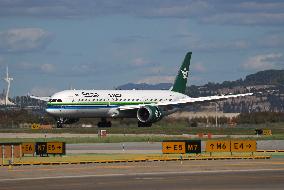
<point x="186" y="101"/>
<point x="45" y="99"/>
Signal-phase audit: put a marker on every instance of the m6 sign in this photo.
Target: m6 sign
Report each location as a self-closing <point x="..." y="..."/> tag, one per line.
<point x="181" y="146"/>
<point x="218" y="146"/>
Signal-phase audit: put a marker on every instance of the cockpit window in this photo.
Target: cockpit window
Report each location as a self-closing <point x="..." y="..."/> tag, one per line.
<point x="59" y="100"/>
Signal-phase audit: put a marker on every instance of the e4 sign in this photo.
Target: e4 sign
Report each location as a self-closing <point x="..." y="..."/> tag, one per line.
<point x="243" y="146"/>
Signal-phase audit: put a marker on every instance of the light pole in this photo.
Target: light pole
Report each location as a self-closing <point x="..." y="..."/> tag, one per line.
<point x="216" y="116"/>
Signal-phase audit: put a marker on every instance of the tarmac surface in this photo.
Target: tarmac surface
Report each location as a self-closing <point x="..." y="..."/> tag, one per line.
<point x="217" y="174"/>
<point x="151" y="147"/>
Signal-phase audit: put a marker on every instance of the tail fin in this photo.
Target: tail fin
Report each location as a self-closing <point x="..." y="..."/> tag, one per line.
<point x="181" y="78"/>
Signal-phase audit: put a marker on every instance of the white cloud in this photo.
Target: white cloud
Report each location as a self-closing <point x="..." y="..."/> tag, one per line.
<point x="1" y="61"/>
<point x="155" y="70"/>
<point x="264" y="12"/>
<point x="47" y="68"/>
<point x="139" y="62"/>
<point x="217" y="45"/>
<point x="264" y="61"/>
<point x="210" y="46"/>
<point x="83" y="69"/>
<point x="23" y="40"/>
<point x="41" y="68"/>
<point x="273" y="40"/>
<point x="199" y="67"/>
<point x="246" y="18"/>
<point x="157" y="79"/>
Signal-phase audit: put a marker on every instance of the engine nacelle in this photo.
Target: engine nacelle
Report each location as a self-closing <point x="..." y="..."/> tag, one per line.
<point x="149" y="114"/>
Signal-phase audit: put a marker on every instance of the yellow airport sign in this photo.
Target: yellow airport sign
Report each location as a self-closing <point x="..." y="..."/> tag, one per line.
<point x="217" y="146"/>
<point x="174" y="147"/>
<point x="243" y="146"/>
<point x="55" y="148"/>
<point x="266" y="132"/>
<point x="35" y="126"/>
<point x="28" y="148"/>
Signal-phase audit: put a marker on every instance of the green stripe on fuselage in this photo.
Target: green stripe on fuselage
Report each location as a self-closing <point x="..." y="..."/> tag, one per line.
<point x="98" y="103"/>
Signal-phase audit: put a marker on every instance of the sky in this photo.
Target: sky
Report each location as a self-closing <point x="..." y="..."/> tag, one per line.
<point x="100" y="44"/>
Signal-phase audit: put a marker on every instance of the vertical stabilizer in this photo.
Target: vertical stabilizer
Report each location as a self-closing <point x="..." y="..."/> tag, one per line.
<point x="181" y="78"/>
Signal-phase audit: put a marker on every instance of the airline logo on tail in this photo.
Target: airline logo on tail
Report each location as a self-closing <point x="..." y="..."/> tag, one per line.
<point x="184" y="73"/>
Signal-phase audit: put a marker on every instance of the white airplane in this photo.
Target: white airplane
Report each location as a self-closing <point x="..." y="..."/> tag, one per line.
<point x="148" y="106"/>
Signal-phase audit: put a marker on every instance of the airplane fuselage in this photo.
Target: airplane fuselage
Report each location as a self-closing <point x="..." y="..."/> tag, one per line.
<point x="105" y="103"/>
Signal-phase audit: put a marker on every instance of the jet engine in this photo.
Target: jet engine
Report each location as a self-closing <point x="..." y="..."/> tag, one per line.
<point x="149" y="114"/>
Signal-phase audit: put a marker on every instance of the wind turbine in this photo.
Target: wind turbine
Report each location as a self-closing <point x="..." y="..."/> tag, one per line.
<point x="8" y="80"/>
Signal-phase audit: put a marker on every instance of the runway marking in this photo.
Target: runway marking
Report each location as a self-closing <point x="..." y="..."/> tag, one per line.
<point x="87" y="168"/>
<point x="135" y="174"/>
<point x="239" y="164"/>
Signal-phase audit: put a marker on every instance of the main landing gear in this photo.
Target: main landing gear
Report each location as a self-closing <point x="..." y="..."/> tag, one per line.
<point x="104" y="123"/>
<point x="142" y="124"/>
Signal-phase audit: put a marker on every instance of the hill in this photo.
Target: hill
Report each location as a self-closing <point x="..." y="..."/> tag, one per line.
<point x="268" y="77"/>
